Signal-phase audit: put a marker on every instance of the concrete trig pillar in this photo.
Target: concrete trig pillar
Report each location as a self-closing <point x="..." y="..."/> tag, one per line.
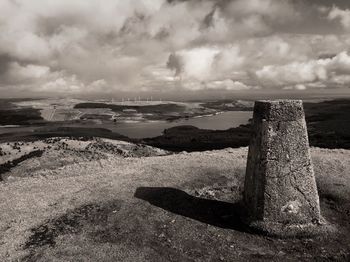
<point x="280" y="193"/>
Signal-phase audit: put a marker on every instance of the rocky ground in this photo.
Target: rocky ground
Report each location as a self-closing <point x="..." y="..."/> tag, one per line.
<point x="104" y="200"/>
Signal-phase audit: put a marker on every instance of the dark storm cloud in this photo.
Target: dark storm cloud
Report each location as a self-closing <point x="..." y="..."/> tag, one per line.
<point x="175" y="63"/>
<point x="4" y="63"/>
<point x="340" y="3"/>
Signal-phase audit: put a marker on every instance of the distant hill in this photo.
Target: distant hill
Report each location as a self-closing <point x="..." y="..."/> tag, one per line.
<point x="328" y="125"/>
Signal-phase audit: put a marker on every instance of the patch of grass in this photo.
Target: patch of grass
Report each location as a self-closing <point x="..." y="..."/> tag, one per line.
<point x="73" y="222"/>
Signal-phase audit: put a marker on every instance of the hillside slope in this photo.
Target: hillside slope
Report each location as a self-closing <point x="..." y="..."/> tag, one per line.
<point x="161" y="207"/>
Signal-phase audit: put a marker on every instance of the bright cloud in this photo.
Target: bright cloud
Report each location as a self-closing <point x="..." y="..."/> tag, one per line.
<point x="342" y="15"/>
<point x="332" y="70"/>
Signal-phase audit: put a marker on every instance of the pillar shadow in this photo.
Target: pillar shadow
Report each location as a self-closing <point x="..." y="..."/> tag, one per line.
<point x="217" y="213"/>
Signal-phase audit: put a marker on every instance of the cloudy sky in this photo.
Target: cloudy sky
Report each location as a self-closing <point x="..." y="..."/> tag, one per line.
<point x="80" y="47"/>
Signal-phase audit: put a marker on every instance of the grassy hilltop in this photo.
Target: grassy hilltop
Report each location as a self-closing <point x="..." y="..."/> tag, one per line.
<point x="104" y="200"/>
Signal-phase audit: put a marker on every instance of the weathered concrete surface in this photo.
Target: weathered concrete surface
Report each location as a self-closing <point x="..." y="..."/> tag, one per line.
<point x="280" y="193"/>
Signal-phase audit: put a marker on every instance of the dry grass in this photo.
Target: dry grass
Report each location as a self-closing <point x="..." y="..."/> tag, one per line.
<point x="168" y="208"/>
